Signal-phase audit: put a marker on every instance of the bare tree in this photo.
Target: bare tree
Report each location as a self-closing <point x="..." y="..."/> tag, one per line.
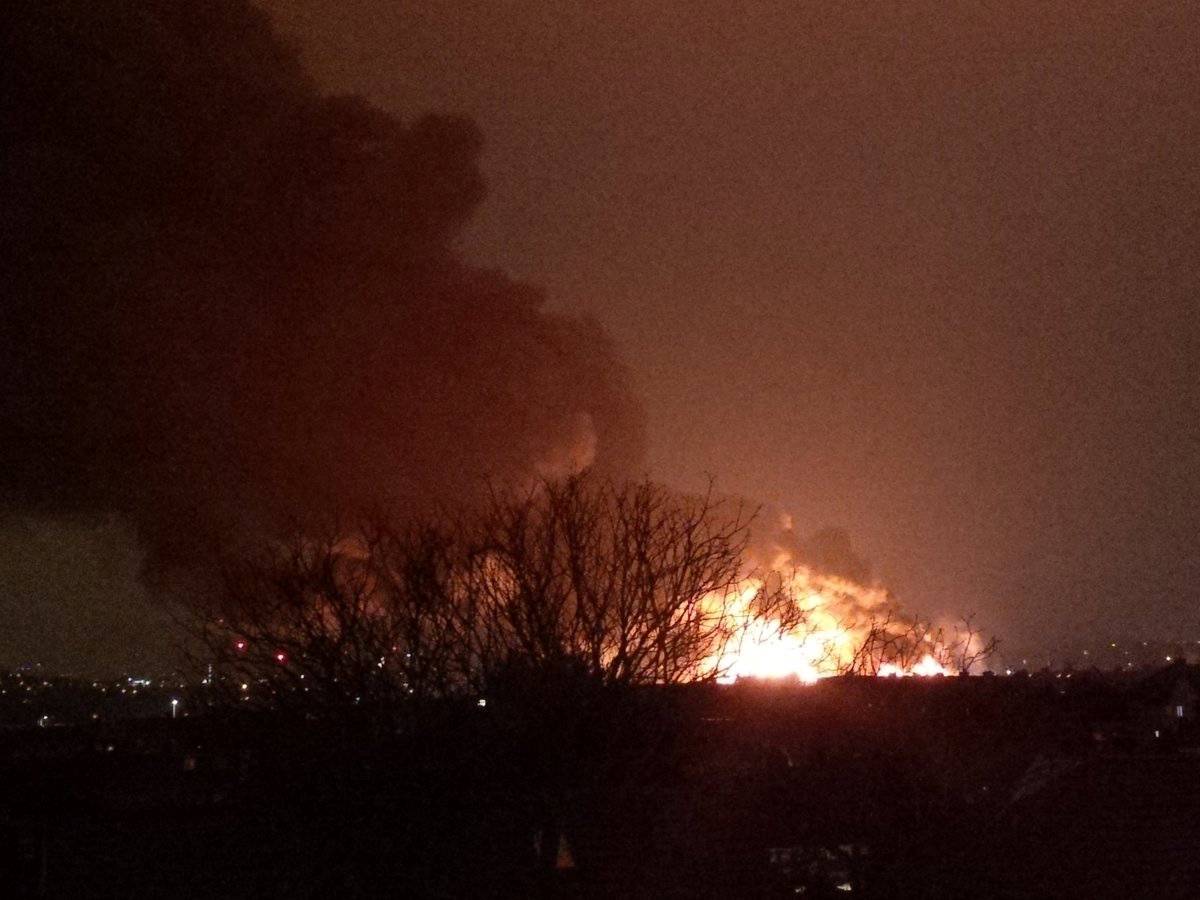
<point x="896" y="640"/>
<point x="614" y="584"/>
<point x="360" y="618"/>
<point x="970" y="647"/>
<point x="627" y="583"/>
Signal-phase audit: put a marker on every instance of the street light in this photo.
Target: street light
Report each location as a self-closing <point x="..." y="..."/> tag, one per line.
<point x="174" y="706"/>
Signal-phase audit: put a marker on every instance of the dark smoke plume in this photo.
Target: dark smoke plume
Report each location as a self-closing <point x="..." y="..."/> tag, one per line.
<point x="230" y="299"/>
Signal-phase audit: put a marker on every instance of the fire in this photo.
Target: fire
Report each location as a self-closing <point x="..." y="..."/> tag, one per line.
<point x="843" y="627"/>
<point x="927" y="666"/>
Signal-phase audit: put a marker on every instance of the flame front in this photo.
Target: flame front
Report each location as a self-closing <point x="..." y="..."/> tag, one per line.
<point x="843" y="628"/>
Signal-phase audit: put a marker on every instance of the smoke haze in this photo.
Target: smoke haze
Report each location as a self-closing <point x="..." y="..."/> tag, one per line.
<point x="232" y="299"/>
<point x="924" y="271"/>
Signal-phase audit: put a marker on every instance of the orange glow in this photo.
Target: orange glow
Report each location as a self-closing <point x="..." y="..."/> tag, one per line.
<point x="846" y="628"/>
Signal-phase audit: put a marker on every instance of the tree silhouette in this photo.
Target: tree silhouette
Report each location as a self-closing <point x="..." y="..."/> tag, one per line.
<point x="580" y="579"/>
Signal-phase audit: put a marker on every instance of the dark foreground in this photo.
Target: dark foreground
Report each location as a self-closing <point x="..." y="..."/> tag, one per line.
<point x="980" y="787"/>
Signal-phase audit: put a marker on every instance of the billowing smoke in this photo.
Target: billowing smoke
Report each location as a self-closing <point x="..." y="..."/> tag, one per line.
<point x="775" y="543"/>
<point x="831" y="551"/>
<point x="230" y="299"/>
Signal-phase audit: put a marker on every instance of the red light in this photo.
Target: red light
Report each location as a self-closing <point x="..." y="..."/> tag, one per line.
<point x="240" y="646"/>
<point x="281" y="658"/>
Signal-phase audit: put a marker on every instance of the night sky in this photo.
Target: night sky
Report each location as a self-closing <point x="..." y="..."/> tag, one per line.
<point x="926" y="272"/>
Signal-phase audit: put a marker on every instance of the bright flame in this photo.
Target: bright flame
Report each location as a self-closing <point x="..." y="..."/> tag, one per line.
<point x="845" y="627"/>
